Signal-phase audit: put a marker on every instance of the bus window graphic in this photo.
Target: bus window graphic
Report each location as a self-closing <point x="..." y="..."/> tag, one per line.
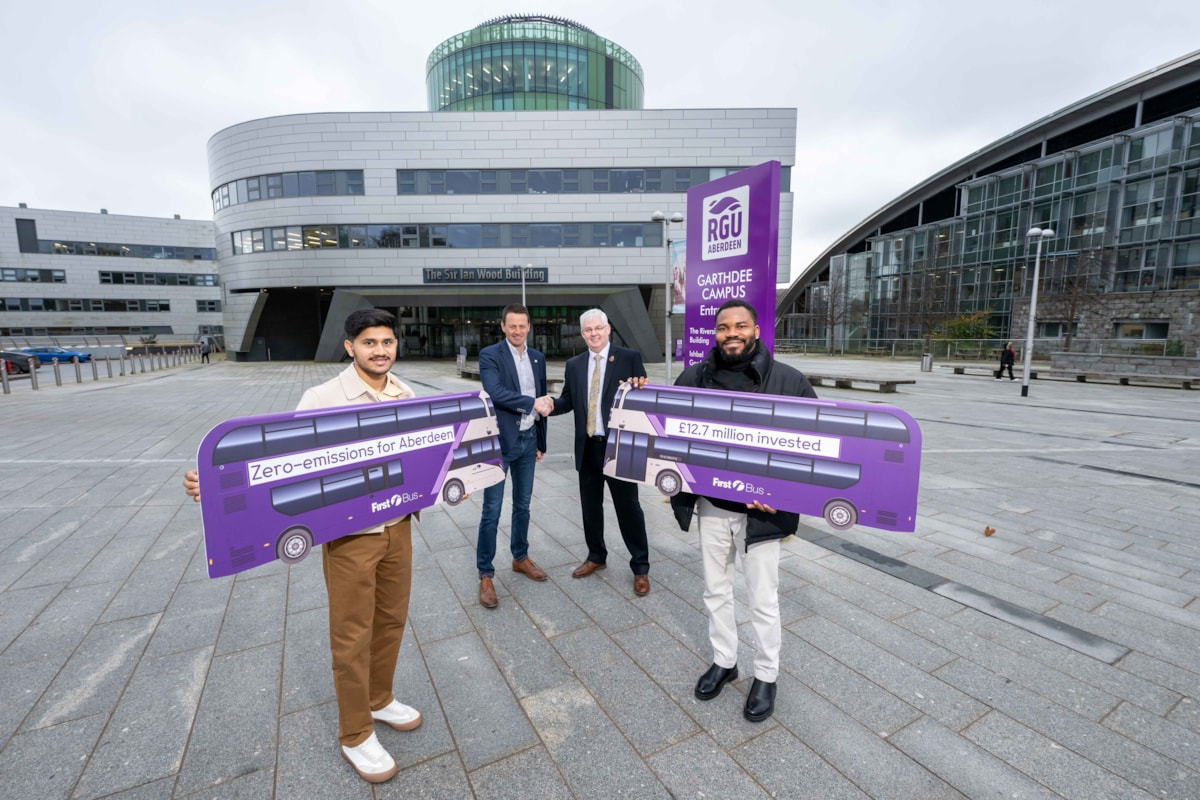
<point x="277" y="485"/>
<point x="850" y="463"/>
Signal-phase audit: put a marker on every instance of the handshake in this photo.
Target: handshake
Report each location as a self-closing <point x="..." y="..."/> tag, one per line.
<point x="544" y="405"/>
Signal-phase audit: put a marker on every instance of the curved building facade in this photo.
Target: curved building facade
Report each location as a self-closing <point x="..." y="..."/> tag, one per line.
<point x="534" y="63"/>
<point x="439" y="216"/>
<point x="1116" y="176"/>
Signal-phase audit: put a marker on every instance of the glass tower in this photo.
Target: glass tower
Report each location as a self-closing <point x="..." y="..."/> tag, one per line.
<point x="532" y="62"/>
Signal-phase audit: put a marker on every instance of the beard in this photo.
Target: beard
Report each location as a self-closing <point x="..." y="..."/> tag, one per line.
<point x="727" y="361"/>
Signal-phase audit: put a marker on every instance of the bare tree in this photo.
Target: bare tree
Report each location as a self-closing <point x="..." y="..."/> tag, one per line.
<point x="1073" y="288"/>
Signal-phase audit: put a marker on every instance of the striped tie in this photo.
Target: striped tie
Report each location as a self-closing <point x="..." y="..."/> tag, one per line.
<point x="593" y="398"/>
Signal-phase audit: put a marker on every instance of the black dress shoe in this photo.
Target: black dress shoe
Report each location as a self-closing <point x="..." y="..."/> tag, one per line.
<point x="760" y="702"/>
<point x="710" y="683"/>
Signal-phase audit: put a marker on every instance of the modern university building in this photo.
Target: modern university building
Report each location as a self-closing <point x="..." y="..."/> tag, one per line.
<point x="1116" y="176"/>
<point x="535" y="173"/>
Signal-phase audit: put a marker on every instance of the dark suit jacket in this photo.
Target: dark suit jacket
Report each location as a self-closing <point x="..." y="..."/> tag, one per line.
<point x="622" y="363"/>
<point x="498" y="374"/>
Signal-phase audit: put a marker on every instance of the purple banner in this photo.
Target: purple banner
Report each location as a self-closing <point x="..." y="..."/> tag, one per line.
<point x="733" y="228"/>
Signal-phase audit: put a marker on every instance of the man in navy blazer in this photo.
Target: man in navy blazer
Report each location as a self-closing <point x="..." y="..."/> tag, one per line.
<point x="513" y="375"/>
<point x="613" y="365"/>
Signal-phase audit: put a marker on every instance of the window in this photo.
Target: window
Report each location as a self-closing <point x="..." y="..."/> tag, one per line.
<point x="208" y="305"/>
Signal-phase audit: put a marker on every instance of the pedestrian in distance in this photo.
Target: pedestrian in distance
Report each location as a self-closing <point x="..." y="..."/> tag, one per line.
<point x="590" y="385"/>
<point x="1007" y="357"/>
<point x="205" y="349"/>
<point x="368" y="576"/>
<point x="745" y="534"/>
<point x="514" y="376"/>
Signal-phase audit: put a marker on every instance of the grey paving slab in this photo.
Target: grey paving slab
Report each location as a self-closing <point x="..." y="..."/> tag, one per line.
<point x="46" y="762"/>
<point x="110" y="627"/>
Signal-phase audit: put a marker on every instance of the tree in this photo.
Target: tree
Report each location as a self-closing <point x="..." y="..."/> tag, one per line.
<point x="971" y="326"/>
<point x="1073" y="288"/>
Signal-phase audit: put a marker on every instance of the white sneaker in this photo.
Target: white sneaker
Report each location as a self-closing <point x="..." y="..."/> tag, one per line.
<point x="399" y="716"/>
<point x="370" y="760"/>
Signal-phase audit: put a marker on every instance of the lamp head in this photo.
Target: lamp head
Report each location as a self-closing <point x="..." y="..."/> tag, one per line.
<point x="657" y="216"/>
<point x="1045" y="233"/>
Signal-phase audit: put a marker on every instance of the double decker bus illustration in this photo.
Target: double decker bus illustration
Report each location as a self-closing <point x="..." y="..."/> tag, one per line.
<point x="850" y="463"/>
<point x="277" y="485"/>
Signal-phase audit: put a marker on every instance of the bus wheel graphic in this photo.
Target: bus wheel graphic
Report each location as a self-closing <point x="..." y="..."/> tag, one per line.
<point x="294" y="545"/>
<point x="668" y="482"/>
<point x="840" y="514"/>
<point x="454" y="491"/>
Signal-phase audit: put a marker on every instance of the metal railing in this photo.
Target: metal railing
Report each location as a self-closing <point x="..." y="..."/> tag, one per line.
<point x="984" y="349"/>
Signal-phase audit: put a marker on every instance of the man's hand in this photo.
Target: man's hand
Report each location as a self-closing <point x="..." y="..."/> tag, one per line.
<point x="637" y="383"/>
<point x="544" y="405"/>
<point x="760" y="506"/>
<point x="540" y="455"/>
<point x="191" y="484"/>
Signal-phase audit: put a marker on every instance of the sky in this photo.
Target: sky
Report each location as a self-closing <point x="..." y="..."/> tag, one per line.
<point x="110" y="105"/>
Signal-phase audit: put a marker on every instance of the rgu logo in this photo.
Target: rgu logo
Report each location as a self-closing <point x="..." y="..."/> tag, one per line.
<point x="724" y="223"/>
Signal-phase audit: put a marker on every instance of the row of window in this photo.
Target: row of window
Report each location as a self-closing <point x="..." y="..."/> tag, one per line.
<point x="104" y="330"/>
<point x="489" y="235"/>
<point x="57" y="247"/>
<point x="1150" y="151"/>
<point x="73" y="304"/>
<point x="17" y="275"/>
<point x="288" y="184"/>
<point x="557" y="181"/>
<point x="158" y="279"/>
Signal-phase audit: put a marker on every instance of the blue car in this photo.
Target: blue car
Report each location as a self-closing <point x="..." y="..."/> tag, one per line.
<point x="48" y="353"/>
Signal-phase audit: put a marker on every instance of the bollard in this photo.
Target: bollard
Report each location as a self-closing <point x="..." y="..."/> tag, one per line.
<point x="95" y="376"/>
<point x="57" y="373"/>
<point x="4" y="377"/>
<point x="108" y="365"/>
<point x="33" y="381"/>
<point x="78" y="369"/>
<point x="121" y="364"/>
<point x="142" y="363"/>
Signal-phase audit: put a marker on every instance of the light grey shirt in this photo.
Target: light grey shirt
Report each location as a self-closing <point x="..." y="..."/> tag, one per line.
<point x="528" y="384"/>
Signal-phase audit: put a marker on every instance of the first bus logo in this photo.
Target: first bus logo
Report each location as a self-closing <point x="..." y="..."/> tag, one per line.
<point x="725" y="228"/>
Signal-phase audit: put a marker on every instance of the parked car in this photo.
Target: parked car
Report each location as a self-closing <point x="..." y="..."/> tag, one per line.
<point x="19" y="361"/>
<point x="48" y="353"/>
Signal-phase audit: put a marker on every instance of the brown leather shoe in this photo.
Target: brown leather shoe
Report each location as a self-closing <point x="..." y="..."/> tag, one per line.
<point x="487" y="593"/>
<point x="641" y="585"/>
<point x="586" y="568"/>
<point x="530" y="569"/>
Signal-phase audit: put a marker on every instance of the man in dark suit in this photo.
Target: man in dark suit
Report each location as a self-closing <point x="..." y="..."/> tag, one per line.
<point x="513" y="375"/>
<point x="590" y="386"/>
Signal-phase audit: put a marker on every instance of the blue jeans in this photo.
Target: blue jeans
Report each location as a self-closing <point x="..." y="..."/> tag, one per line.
<point x="520" y="469"/>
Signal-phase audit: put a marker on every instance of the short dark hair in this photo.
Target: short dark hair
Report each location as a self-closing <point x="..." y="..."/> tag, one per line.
<point x="739" y="304"/>
<point x="364" y="318"/>
<point x="515" y="308"/>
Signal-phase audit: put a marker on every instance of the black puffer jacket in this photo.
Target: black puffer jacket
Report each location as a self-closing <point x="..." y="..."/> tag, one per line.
<point x="771" y="377"/>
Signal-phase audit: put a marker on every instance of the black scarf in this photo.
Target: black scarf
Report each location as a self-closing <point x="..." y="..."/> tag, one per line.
<point x="735" y="373"/>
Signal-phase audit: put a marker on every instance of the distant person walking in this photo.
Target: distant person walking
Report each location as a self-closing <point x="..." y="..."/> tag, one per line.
<point x="205" y="349"/>
<point x="1007" y="357"/>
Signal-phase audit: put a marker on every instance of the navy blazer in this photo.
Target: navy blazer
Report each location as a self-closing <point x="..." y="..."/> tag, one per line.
<point x="498" y="374"/>
<point x="623" y="364"/>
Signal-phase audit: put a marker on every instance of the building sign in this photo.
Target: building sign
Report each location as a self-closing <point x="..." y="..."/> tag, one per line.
<point x="485" y="275"/>
<point x="733" y="229"/>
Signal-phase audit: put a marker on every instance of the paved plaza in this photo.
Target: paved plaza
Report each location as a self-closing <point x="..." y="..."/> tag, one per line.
<point x="1058" y="656"/>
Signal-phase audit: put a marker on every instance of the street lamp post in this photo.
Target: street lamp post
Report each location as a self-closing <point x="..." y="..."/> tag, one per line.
<point x="659" y="216"/>
<point x="1039" y="234"/>
<point x="523" y="270"/>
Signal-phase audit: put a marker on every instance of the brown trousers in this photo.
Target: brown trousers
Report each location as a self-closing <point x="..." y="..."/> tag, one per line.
<point x="368" y="578"/>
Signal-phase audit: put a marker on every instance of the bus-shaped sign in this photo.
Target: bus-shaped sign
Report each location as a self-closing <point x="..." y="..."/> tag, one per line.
<point x="851" y="463"/>
<point x="276" y="485"/>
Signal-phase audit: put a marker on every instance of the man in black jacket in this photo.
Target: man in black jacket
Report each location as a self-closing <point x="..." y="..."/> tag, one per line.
<point x="591" y="384"/>
<point x="738" y="532"/>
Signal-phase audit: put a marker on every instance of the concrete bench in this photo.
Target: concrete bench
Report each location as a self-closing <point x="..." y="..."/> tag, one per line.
<point x="967" y="355"/>
<point x="882" y="385"/>
<point x="968" y="369"/>
<point x="1181" y="381"/>
<point x="877" y="351"/>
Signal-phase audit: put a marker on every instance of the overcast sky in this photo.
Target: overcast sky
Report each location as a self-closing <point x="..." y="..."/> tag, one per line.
<point x="110" y="104"/>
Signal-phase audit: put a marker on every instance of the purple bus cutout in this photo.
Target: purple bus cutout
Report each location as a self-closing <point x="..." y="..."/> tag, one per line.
<point x="850" y="463"/>
<point x="733" y="233"/>
<point x="277" y="485"/>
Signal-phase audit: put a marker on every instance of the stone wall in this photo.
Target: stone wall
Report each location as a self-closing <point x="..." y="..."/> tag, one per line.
<point x="1177" y="308"/>
<point x="1124" y="365"/>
